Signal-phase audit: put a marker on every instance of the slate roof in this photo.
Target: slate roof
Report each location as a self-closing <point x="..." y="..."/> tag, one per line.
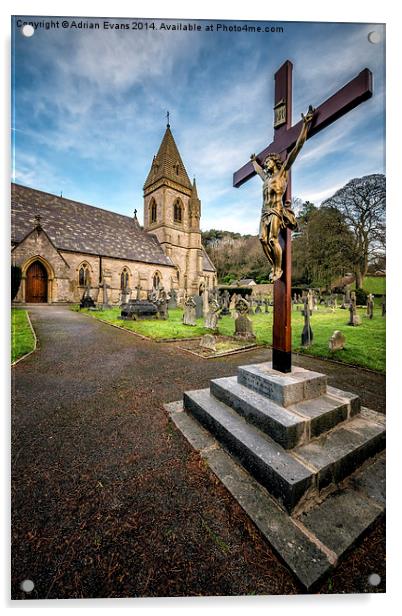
<point x="168" y="163"/>
<point x="79" y="227"/>
<point x="207" y="264"/>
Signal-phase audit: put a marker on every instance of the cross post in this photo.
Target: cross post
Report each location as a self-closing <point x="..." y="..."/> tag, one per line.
<point x="347" y="98"/>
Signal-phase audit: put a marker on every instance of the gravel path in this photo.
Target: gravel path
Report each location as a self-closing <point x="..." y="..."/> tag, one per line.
<point x="109" y="499"/>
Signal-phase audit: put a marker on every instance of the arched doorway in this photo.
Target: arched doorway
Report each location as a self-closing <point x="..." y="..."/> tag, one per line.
<point x="36" y="283"/>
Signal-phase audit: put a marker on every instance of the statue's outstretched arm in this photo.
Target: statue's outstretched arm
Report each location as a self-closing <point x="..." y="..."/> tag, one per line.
<point x="257" y="168"/>
<point x="300" y="140"/>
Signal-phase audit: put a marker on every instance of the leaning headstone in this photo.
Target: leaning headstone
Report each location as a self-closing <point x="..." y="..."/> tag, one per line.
<point x="199" y="306"/>
<point x="189" y="316"/>
<point x="211" y="319"/>
<point x="307" y="333"/>
<point x="243" y="325"/>
<point x="370" y="305"/>
<point x="354" y="319"/>
<point x="208" y="341"/>
<point x="337" y="341"/>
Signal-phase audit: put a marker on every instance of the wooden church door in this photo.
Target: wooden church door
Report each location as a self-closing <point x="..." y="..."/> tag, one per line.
<point x="36" y="283"/>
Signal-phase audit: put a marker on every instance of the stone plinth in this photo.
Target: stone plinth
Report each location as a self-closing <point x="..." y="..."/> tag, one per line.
<point x="306" y="452"/>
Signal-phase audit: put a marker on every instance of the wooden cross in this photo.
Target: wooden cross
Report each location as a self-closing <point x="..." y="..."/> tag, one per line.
<point x="347" y="98"/>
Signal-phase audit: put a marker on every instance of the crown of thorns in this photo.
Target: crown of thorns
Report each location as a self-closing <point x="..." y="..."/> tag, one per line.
<point x="275" y="157"/>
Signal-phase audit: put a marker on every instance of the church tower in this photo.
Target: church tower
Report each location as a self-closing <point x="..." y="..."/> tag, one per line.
<point x="172" y="213"/>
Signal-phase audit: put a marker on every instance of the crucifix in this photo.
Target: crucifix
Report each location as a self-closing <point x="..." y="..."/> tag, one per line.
<point x="287" y="142"/>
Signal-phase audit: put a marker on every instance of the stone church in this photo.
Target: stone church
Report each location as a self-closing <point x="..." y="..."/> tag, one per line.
<point x="62" y="245"/>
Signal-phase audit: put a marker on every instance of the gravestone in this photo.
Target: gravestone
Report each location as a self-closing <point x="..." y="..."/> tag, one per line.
<point x="153" y="295"/>
<point x="172" y="303"/>
<point x="105" y="303"/>
<point x="370" y="305"/>
<point x="208" y="341"/>
<point x="310" y="301"/>
<point x="266" y="302"/>
<point x="86" y="300"/>
<point x="343" y="305"/>
<point x="189" y="315"/>
<point x="205" y="302"/>
<point x="199" y="306"/>
<point x="249" y="300"/>
<point x="162" y="304"/>
<point x="225" y="303"/>
<point x="233" y="301"/>
<point x="138" y="289"/>
<point x="307" y="333"/>
<point x="137" y="309"/>
<point x="243" y="325"/>
<point x="211" y="319"/>
<point x="337" y="341"/>
<point x="258" y="306"/>
<point x="354" y="318"/>
<point x="383" y="306"/>
<point x="125" y="296"/>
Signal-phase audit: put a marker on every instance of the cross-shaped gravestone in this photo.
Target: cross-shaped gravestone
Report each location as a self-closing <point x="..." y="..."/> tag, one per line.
<point x="285" y="137"/>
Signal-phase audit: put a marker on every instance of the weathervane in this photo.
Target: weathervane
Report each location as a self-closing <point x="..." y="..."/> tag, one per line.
<point x="167" y="117"/>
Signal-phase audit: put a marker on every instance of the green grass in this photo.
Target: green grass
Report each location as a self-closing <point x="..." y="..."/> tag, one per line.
<point x="374" y="284"/>
<point x="22" y="338"/>
<point x="365" y="344"/>
<point x="154" y="328"/>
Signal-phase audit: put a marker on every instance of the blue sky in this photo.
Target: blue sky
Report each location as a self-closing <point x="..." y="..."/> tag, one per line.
<point x="89" y="110"/>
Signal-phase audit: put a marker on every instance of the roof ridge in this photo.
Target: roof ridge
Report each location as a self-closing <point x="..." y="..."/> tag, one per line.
<point x="95" y="207"/>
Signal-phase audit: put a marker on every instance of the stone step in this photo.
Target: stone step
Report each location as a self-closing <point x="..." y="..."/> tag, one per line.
<point x="287" y="426"/>
<point x="335" y="455"/>
<point x="285" y="477"/>
<point x="289" y="475"/>
<point x="325" y="412"/>
<point x="284" y="389"/>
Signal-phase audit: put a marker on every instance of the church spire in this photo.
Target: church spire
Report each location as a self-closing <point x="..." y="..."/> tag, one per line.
<point x="167" y="164"/>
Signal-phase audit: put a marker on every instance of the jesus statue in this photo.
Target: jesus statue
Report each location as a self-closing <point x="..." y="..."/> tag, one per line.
<point x="275" y="215"/>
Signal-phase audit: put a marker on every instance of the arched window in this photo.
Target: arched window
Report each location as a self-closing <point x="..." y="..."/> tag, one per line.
<point x="156" y="281"/>
<point x="124" y="279"/>
<point x="178" y="211"/>
<point x="153" y="211"/>
<point x="84" y="277"/>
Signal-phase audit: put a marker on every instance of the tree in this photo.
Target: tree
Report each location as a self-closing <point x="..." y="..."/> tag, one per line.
<point x="362" y="203"/>
<point x="322" y="248"/>
<point x="16" y="276"/>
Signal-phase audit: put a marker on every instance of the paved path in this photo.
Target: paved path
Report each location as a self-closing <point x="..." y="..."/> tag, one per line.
<point x="109" y="500"/>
